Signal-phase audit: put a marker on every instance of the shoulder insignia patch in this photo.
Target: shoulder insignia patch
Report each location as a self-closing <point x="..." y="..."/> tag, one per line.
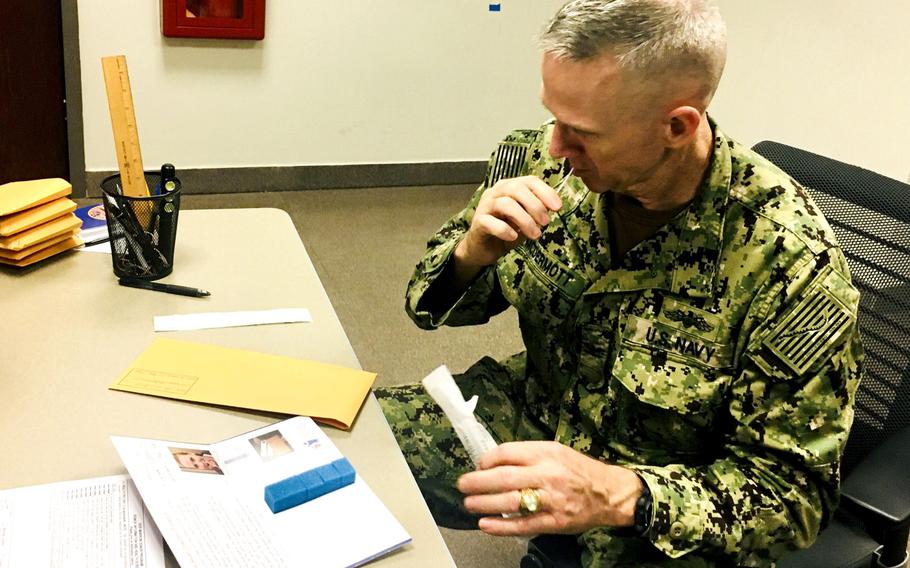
<point x="510" y="161"/>
<point x="512" y="158"/>
<point x="808" y="329"/>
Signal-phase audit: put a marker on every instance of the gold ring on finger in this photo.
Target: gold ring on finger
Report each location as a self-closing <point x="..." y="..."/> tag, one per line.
<point x="528" y="501"/>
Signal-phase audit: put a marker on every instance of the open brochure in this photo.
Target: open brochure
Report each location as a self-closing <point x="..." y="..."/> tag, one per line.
<point x="208" y="501"/>
<point x="98" y="523"/>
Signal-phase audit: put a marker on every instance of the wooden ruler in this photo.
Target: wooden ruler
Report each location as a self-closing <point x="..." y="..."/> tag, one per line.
<point x="123" y="121"/>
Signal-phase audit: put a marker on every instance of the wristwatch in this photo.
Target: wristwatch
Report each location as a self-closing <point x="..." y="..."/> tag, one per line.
<point x="643" y="511"/>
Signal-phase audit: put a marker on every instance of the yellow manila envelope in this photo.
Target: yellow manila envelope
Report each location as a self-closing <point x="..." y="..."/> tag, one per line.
<point x="34" y="216"/>
<point x="53" y="228"/>
<point x="18" y="195"/>
<point x="198" y="372"/>
<point x="46" y="252"/>
<point x="28" y="251"/>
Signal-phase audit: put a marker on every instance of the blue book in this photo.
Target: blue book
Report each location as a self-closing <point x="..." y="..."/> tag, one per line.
<point x="94" y="223"/>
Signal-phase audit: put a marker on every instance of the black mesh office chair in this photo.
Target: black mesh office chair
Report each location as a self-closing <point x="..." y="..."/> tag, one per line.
<point x="870" y="215"/>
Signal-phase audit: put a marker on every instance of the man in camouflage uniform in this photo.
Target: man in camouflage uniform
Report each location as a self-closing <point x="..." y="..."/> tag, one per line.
<point x="689" y="320"/>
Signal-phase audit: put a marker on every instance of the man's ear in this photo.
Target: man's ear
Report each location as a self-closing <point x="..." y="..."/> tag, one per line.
<point x="681" y="126"/>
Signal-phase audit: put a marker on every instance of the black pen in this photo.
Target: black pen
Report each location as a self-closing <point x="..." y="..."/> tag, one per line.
<point x="160" y="287"/>
<point x="96" y="242"/>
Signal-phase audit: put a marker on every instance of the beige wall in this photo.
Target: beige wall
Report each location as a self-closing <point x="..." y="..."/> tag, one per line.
<point x="334" y="82"/>
<point x="357" y="81"/>
<point x="832" y="76"/>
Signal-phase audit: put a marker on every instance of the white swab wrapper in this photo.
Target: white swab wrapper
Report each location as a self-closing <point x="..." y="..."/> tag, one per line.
<point x="460" y="412"/>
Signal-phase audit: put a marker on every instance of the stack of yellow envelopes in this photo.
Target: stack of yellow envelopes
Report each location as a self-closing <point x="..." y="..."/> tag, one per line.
<point x="36" y="220"/>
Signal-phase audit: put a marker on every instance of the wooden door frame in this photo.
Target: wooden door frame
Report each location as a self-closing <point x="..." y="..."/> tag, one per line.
<point x="72" y="74"/>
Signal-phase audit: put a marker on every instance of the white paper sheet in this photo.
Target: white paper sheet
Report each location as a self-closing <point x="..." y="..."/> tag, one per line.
<point x="208" y="501"/>
<point x="95" y="523"/>
<point x="209" y="320"/>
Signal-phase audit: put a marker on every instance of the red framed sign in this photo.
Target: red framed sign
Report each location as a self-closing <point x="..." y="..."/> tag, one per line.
<point x="228" y="19"/>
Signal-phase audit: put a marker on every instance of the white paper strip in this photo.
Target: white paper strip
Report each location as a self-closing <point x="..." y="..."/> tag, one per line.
<point x="186" y="322"/>
<point x="101" y="247"/>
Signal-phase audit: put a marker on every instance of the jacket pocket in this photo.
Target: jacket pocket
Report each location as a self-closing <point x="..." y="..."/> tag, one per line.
<point x="669" y="388"/>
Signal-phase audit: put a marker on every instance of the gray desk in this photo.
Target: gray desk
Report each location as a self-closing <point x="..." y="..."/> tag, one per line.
<point x="67" y="330"/>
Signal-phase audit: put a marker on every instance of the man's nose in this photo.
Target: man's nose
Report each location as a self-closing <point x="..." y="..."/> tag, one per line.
<point x="561" y="145"/>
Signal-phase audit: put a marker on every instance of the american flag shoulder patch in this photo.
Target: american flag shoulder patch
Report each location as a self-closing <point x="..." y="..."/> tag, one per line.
<point x="817" y="322"/>
<point x="513" y="156"/>
<point x="510" y="160"/>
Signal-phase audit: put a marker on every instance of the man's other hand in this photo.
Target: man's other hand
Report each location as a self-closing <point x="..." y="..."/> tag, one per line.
<point x="577" y="493"/>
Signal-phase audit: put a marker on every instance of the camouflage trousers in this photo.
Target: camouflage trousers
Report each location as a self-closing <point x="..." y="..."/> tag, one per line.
<point x="437" y="458"/>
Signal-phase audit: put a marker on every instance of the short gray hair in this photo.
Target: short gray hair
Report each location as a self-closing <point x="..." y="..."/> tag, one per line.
<point x="650" y="37"/>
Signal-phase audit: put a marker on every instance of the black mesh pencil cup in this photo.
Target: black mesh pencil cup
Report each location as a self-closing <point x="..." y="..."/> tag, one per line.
<point x="142" y="229"/>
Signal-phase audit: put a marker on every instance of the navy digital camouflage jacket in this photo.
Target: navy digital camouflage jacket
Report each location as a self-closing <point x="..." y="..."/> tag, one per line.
<point x="718" y="358"/>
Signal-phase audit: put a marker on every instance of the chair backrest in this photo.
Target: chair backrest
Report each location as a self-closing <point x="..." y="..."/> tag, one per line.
<point x="870" y="215"/>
